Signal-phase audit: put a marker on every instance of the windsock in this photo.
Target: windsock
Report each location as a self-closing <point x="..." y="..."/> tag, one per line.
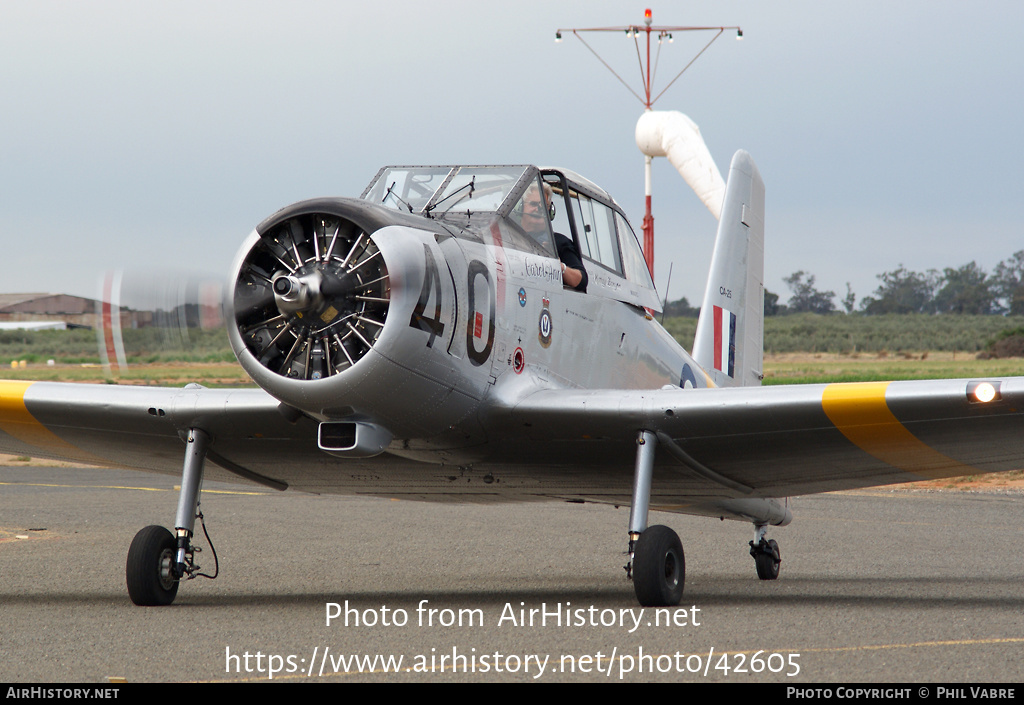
<point x="672" y="134"/>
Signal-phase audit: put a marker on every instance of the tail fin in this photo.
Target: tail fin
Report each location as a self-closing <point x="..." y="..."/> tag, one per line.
<point x="729" y="344"/>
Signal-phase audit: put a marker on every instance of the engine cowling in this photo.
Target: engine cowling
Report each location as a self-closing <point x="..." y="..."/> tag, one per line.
<point x="321" y="315"/>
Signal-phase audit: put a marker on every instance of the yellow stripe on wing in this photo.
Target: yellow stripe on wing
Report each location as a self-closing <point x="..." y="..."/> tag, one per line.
<point x="17" y="422"/>
<point x="859" y="411"/>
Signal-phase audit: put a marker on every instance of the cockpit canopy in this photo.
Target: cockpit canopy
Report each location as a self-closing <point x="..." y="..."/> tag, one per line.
<point x="437" y="190"/>
<point x="475" y="197"/>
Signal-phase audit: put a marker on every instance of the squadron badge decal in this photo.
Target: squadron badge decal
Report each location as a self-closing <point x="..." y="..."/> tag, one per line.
<point x="545" y="323"/>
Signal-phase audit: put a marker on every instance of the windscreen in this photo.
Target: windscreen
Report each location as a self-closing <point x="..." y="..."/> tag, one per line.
<point x="478" y="189"/>
<point x="407" y="188"/>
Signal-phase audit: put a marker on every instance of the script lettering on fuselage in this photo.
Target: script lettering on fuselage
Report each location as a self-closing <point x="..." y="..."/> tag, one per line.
<point x="605" y="281"/>
<point x="544" y="269"/>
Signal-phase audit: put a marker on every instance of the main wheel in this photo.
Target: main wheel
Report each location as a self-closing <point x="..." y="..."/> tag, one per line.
<point x="148" y="570"/>
<point x="659" y="568"/>
<point x="767" y="561"/>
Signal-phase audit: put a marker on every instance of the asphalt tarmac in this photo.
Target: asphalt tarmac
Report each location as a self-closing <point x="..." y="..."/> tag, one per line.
<point x="881" y="586"/>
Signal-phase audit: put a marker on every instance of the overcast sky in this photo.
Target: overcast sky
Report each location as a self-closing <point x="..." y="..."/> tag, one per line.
<point x="155" y="133"/>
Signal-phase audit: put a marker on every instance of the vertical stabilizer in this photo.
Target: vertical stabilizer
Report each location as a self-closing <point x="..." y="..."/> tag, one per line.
<point x="729" y="344"/>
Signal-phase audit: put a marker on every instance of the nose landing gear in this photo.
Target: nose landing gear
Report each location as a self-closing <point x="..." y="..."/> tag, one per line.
<point x="158" y="560"/>
<point x="149" y="570"/>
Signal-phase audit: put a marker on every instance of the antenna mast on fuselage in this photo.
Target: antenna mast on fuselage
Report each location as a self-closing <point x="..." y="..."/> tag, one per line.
<point x="646" y="76"/>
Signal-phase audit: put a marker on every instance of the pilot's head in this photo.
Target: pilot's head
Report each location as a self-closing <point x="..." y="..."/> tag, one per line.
<point x="535" y="209"/>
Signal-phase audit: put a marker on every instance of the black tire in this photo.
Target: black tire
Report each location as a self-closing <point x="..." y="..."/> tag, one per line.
<point x="147" y="570"/>
<point x="659" y="568"/>
<point x="767" y="562"/>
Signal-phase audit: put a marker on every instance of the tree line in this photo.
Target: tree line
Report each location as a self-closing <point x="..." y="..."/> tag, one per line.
<point x="968" y="289"/>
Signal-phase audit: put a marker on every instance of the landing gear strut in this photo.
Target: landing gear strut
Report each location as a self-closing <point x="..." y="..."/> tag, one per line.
<point x="765" y="553"/>
<point x="157" y="560"/>
<point x="656" y="562"/>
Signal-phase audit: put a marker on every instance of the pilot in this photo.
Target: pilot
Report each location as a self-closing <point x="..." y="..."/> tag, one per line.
<point x="536" y="215"/>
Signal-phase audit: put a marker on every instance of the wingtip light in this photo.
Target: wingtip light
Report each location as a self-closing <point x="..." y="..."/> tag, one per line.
<point x="982" y="392"/>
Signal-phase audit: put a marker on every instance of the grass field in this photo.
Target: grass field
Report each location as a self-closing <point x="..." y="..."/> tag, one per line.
<point x="799" y="348"/>
<point x="174" y="374"/>
<point x="781" y="368"/>
<point x="811" y="368"/>
<point x="868" y="335"/>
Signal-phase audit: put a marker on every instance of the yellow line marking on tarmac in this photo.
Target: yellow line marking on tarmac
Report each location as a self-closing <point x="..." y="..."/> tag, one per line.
<point x="861" y="414"/>
<point x="914" y="645"/>
<point x="120" y="487"/>
<point x="833" y="520"/>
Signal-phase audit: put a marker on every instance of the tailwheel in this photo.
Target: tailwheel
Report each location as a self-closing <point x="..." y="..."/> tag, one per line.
<point x="658" y="567"/>
<point x="149" y="570"/>
<point x="766" y="559"/>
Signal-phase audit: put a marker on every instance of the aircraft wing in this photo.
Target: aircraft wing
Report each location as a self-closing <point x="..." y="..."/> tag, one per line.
<point x="740" y="442"/>
<point x="143" y="427"/>
<point x="778" y="441"/>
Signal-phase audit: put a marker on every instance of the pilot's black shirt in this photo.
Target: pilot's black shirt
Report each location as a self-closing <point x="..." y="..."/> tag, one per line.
<point x="568" y="254"/>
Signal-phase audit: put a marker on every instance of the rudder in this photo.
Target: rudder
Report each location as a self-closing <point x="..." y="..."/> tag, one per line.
<point x="729" y="343"/>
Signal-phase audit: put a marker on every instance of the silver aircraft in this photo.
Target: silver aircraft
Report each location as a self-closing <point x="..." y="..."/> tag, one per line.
<point x="419" y="342"/>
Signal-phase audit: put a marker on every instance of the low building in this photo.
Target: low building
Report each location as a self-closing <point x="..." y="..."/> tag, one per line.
<point x="72" y="310"/>
<point x="78" y="311"/>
